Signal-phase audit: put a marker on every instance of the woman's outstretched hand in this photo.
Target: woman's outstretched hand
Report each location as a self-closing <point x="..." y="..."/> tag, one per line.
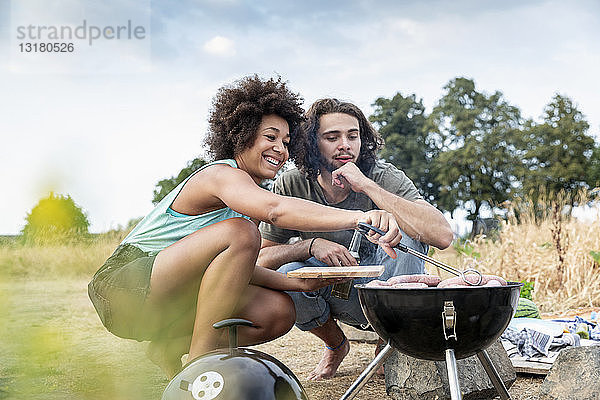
<point x="385" y="221"/>
<point x="312" y="284"/>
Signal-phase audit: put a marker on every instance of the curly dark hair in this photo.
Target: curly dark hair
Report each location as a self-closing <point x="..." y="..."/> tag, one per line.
<point x="237" y="111"/>
<point x="310" y="163"/>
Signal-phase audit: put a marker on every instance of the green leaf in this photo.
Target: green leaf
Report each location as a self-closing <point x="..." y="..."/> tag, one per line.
<point x="596" y="256"/>
<point x="527" y="290"/>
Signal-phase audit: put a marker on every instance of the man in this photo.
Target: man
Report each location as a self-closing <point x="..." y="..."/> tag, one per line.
<point x="340" y="169"/>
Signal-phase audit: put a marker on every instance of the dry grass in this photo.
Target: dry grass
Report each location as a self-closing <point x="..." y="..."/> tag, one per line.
<point x="57" y="348"/>
<point x="74" y="259"/>
<point x="553" y="252"/>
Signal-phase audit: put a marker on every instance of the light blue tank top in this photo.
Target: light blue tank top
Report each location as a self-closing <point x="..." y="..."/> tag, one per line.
<point x="163" y="227"/>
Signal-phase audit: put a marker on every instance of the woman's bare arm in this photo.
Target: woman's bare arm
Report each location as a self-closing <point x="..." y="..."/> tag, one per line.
<point x="222" y="184"/>
<point x="276" y="280"/>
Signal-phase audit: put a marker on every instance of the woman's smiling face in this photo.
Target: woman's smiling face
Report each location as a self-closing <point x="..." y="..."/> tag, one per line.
<point x="270" y="149"/>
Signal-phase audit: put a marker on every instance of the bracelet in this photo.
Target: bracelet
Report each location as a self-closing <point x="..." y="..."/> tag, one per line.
<point x="310" y="247"/>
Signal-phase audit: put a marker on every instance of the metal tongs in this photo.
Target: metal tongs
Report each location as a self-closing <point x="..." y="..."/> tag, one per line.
<point x="364" y="229"/>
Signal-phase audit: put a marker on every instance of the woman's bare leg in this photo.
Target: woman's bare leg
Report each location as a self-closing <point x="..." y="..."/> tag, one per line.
<point x="217" y="262"/>
<point x="167" y="353"/>
<point x="272" y="313"/>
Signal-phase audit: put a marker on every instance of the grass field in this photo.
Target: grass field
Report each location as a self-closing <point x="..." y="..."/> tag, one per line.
<point x="53" y="345"/>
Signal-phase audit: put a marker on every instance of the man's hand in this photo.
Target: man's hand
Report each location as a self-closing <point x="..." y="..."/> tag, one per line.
<point x="331" y="253"/>
<point x="385" y="221"/>
<point x="350" y="174"/>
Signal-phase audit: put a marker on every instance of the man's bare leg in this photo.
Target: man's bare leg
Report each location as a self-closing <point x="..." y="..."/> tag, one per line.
<point x="337" y="348"/>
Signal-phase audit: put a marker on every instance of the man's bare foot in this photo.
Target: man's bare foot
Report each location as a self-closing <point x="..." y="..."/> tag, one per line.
<point x="331" y="360"/>
<point x="158" y="353"/>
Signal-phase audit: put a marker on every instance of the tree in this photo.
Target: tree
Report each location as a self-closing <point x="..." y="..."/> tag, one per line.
<point x="558" y="154"/>
<point x="163" y="187"/>
<point x="401" y="121"/>
<point x="595" y="166"/>
<point x="55" y="218"/>
<point x="475" y="135"/>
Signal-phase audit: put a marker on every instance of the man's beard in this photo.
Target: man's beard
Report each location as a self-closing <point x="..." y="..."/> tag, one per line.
<point x="326" y="165"/>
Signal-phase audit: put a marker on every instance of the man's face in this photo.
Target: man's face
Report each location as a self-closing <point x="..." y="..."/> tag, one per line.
<point x="338" y="139"/>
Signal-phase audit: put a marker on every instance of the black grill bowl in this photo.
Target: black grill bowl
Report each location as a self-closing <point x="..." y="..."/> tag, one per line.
<point x="412" y="318"/>
<point x="235" y="374"/>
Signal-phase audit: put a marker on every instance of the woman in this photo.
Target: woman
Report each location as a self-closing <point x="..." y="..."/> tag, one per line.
<point x="191" y="261"/>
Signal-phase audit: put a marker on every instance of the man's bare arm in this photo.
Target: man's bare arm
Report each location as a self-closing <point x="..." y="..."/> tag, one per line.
<point x="418" y="219"/>
<point x="273" y="255"/>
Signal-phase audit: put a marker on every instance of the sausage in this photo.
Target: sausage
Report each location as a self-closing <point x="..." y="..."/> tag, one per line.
<point x="473" y="278"/>
<point x="378" y="283"/>
<point x="429" y="280"/>
<point x="410" y="285"/>
<point x="493" y="282"/>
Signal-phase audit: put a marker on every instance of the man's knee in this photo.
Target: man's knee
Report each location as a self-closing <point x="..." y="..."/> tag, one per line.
<point x="414" y="244"/>
<point x="285" y="268"/>
<point x="404" y="264"/>
<point x="413" y="264"/>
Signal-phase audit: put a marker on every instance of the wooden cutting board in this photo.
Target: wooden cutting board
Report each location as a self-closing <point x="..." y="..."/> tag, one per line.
<point x="338" y="272"/>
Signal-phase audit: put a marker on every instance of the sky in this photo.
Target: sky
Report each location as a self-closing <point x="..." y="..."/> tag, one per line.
<point x="105" y="122"/>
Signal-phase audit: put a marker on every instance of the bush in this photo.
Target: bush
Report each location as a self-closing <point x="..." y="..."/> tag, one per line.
<point x="55" y="218"/>
<point x="527" y="290"/>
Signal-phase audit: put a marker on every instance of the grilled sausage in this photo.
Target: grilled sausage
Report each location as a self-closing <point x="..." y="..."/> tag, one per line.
<point x="473" y="278"/>
<point x="493" y="282"/>
<point x="410" y="285"/>
<point x="429" y="280"/>
<point x="378" y="283"/>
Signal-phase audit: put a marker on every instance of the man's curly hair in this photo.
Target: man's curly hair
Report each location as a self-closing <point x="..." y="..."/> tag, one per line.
<point x="310" y="163"/>
<point x="237" y="111"/>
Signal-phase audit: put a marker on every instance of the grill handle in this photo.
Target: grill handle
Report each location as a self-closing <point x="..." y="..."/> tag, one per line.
<point x="232" y="324"/>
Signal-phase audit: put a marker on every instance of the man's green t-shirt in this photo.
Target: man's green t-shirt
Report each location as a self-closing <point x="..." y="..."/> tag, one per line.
<point x="293" y="183"/>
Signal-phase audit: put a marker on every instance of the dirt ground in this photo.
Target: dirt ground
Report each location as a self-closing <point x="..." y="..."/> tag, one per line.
<point x="301" y="352"/>
<point x="74" y="357"/>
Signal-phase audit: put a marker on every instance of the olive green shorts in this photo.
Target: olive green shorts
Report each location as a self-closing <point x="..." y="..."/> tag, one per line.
<point x="119" y="290"/>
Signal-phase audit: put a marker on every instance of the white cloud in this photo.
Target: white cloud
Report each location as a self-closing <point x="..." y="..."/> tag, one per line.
<point x="406" y="26"/>
<point x="106" y="134"/>
<point x="220" y="46"/>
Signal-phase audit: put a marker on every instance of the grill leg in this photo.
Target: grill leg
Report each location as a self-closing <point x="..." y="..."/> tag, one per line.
<point x="367" y="373"/>
<point x="493" y="374"/>
<point x="452" y="375"/>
